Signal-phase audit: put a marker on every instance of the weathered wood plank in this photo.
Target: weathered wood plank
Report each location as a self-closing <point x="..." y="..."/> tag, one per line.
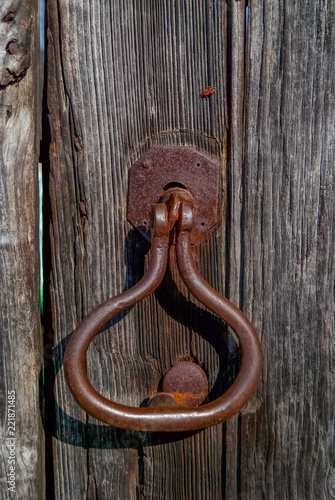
<point x="20" y="338"/>
<point x="124" y="76"/>
<point x="235" y="91"/>
<point x="286" y="447"/>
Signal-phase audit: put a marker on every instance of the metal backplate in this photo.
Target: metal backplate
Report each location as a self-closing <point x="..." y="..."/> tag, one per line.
<point x="163" y="167"/>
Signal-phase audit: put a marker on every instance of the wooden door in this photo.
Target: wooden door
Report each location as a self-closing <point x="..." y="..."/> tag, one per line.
<point x="123" y="76"/>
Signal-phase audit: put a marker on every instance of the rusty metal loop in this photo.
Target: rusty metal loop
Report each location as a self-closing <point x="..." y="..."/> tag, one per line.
<point x="252" y="356"/>
<point x="168" y="418"/>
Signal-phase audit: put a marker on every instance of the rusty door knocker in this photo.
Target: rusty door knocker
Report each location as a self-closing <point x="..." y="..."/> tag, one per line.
<point x="179" y="217"/>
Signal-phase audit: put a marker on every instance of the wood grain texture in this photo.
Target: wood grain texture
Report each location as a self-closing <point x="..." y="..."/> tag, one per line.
<point x="123" y="76"/>
<point x="235" y="91"/>
<point x="286" y="438"/>
<point x="20" y="337"/>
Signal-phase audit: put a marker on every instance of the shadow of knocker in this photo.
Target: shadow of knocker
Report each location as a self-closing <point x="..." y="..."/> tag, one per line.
<point x="60" y="425"/>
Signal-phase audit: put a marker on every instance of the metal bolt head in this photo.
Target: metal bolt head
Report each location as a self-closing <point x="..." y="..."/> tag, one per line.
<point x="147" y="164"/>
<point x="187" y="382"/>
<point x="12" y="48"/>
<point x="162" y="400"/>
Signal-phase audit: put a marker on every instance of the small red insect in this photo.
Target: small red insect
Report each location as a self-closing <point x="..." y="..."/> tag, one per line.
<point x="208" y="92"/>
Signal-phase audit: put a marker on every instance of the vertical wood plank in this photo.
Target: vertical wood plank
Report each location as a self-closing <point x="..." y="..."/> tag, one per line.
<point x="20" y="330"/>
<point x="236" y="87"/>
<point x="287" y="434"/>
<point x="124" y="76"/>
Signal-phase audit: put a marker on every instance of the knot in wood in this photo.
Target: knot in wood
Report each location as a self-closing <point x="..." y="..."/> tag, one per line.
<point x="12" y="48"/>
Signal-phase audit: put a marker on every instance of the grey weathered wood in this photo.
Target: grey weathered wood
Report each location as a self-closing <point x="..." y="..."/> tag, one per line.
<point x="285" y="438"/>
<point x="20" y="337"/>
<point x="124" y="76"/>
<point x="235" y="90"/>
<point x="121" y="78"/>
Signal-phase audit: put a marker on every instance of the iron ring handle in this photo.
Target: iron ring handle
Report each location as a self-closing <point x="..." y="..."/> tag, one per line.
<point x="165" y="419"/>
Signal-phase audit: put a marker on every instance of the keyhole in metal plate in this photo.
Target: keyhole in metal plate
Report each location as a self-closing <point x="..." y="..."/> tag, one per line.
<point x="174" y="185"/>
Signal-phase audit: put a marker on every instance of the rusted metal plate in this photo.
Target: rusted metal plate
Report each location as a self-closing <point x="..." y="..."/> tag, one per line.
<point x="163" y="167"/>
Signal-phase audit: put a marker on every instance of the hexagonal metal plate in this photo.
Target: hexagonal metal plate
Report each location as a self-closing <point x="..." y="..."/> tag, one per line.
<point x="162" y="167"/>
